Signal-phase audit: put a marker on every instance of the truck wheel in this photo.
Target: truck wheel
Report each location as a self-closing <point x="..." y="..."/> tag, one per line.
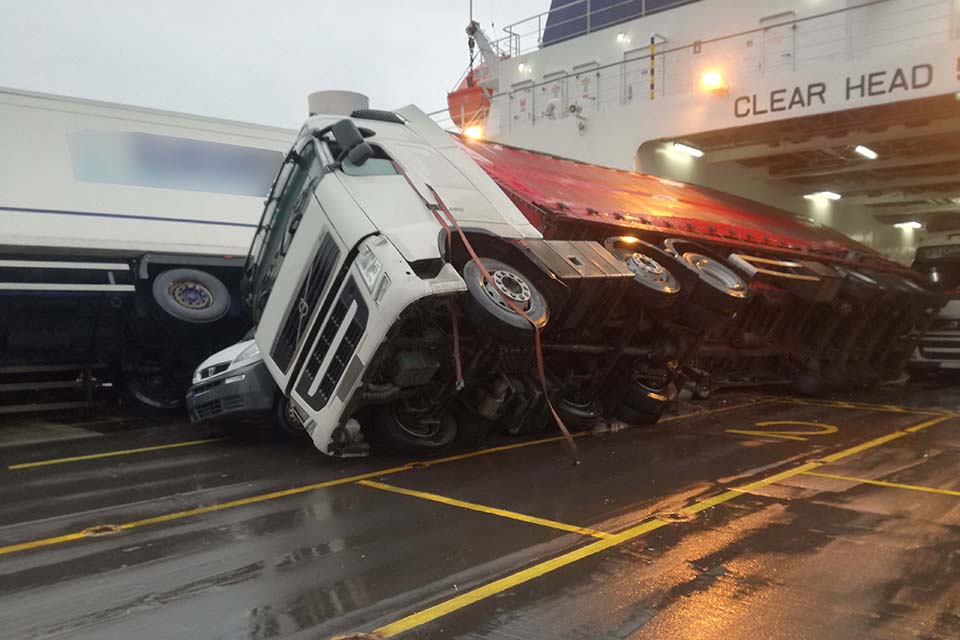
<point x="285" y="421"/>
<point x="579" y="414"/>
<point x="719" y="287"/>
<point x="150" y="382"/>
<point x="641" y="403"/>
<point x="191" y="295"/>
<point x="655" y="285"/>
<point x="488" y="311"/>
<point x="407" y="433"/>
<point x="152" y="395"/>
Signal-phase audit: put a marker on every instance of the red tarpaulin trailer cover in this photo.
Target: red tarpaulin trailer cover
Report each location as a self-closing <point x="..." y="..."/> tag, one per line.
<point x="549" y="189"/>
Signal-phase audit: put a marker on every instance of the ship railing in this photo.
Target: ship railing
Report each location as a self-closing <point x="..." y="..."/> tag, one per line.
<point x="781" y="45"/>
<point x="576" y="18"/>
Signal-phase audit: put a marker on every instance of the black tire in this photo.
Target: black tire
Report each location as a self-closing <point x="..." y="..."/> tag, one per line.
<point x="388" y="431"/>
<point x="191" y="295"/>
<point x="578" y="414"/>
<point x="720" y="288"/>
<point x="489" y="313"/>
<point x="152" y="382"/>
<point x="641" y="403"/>
<point x="285" y="422"/>
<point x="635" y="417"/>
<point x="655" y="285"/>
<point x="152" y="397"/>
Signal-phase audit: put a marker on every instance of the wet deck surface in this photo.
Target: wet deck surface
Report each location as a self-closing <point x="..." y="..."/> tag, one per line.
<point x="716" y="525"/>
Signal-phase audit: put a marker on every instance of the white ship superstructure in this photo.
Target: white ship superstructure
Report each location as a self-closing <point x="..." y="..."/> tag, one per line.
<point x="776" y="100"/>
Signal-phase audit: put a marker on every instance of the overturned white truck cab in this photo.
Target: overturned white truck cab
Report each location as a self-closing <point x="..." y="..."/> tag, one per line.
<point x="402" y="299"/>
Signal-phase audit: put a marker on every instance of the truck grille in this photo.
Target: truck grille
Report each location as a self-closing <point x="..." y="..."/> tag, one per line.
<point x="343" y="351"/>
<point x="314" y="282"/>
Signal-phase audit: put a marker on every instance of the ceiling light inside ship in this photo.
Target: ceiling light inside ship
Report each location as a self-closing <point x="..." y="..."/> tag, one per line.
<point x="687" y="149"/>
<point x="474" y="132"/>
<point x="866" y="152"/>
<point x="823" y="195"/>
<point x="713" y="81"/>
<point x="912" y="224"/>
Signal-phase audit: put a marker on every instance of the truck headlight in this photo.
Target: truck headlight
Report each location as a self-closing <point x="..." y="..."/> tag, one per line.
<point x="369" y="267"/>
<point x="250" y="354"/>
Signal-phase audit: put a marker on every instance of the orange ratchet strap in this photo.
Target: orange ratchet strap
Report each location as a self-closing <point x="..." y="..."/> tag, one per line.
<point x="571" y="445"/>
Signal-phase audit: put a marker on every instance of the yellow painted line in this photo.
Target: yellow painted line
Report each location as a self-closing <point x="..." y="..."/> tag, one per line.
<point x="110" y="454"/>
<point x="866" y="406"/>
<point x="86" y="533"/>
<point x="765" y="434"/>
<point x="819" y="429"/>
<point x="531" y="573"/>
<point x="512" y="580"/>
<point x="45" y="542"/>
<point x="503" y="513"/>
<point x="695" y="414"/>
<point x="883" y="483"/>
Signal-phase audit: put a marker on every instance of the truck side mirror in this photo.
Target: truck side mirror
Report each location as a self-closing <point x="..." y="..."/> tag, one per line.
<point x="360" y="154"/>
<point x="348" y="136"/>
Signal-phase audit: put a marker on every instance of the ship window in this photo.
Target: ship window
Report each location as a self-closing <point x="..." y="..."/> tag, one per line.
<point x="140" y="159"/>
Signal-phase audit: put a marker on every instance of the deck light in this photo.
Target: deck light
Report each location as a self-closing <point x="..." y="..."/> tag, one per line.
<point x="522" y="67"/>
<point x="911" y="224"/>
<point x="623" y="38"/>
<point x="713" y="81"/>
<point x="687" y="149"/>
<point x="866" y="152"/>
<point x="474" y="132"/>
<point x="823" y="195"/>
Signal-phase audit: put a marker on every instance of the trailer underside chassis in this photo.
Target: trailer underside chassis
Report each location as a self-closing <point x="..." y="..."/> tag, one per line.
<point x="625" y="325"/>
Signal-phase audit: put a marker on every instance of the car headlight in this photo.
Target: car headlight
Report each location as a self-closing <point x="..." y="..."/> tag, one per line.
<point x="369" y="267"/>
<point x="197" y="375"/>
<point x="250" y="354"/>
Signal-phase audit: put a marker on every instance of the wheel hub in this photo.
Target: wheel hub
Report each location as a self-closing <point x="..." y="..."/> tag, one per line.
<point x="714" y="271"/>
<point x="511" y="285"/>
<point x="191" y="294"/>
<point x="642" y="265"/>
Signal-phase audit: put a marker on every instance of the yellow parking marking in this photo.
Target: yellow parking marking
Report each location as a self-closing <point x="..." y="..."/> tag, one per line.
<point x="503" y="513"/>
<point x="110" y="454"/>
<point x="866" y="406"/>
<point x="883" y="483"/>
<point x="531" y="573"/>
<point x="45" y="542"/>
<point x="707" y="412"/>
<point x="815" y="429"/>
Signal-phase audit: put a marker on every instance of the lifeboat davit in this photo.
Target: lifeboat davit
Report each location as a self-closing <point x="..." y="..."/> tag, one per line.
<point x="469" y="103"/>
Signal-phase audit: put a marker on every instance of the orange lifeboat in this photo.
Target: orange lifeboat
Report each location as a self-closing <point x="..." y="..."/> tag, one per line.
<point x="469" y="103"/>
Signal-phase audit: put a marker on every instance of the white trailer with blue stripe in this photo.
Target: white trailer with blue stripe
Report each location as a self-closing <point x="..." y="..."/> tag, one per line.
<point x="123" y="232"/>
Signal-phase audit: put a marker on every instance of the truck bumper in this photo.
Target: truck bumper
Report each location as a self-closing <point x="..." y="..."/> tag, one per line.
<point x="247" y="389"/>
